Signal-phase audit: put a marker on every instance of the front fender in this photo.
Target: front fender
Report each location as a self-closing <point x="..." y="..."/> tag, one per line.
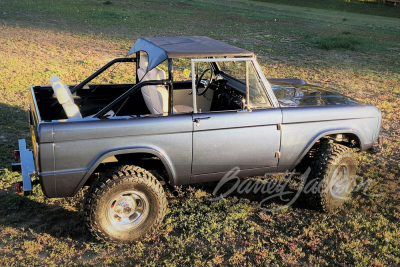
<point x="303" y="126"/>
<point x="332" y="132"/>
<point x="296" y="141"/>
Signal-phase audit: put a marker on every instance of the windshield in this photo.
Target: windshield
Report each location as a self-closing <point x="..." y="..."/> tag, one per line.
<point x="238" y="71"/>
<point x="234" y="78"/>
<point x="234" y="69"/>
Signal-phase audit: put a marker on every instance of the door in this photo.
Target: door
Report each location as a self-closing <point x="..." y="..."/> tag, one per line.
<point x="224" y="140"/>
<point x="227" y="136"/>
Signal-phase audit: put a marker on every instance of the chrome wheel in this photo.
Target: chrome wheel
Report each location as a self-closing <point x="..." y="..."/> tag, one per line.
<point x="127" y="210"/>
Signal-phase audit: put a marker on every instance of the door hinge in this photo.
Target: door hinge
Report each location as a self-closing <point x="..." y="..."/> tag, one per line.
<point x="279" y="126"/>
<point x="277" y="154"/>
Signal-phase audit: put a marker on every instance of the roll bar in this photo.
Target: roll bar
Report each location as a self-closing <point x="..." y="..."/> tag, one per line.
<point x="100" y="71"/>
<point x="132" y="90"/>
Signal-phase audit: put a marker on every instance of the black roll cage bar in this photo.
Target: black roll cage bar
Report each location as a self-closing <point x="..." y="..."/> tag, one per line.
<point x="101" y="70"/>
<point x="168" y="82"/>
<point x="132" y="90"/>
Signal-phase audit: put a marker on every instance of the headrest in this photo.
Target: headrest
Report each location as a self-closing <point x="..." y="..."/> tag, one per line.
<point x="54" y="80"/>
<point x="143" y="62"/>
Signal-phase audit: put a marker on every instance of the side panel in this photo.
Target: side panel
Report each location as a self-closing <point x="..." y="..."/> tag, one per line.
<point x="201" y="178"/>
<point x="77" y="145"/>
<point x="302" y="126"/>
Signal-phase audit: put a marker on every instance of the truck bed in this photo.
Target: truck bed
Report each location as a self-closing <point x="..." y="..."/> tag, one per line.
<point x="89" y="100"/>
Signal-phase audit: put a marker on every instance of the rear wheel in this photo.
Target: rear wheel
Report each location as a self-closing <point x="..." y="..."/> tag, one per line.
<point x="125" y="205"/>
<point x="333" y="169"/>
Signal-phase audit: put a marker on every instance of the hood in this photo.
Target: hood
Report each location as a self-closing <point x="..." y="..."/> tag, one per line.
<point x="293" y="95"/>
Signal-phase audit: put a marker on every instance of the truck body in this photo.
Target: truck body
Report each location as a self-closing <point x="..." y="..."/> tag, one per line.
<point x="67" y="152"/>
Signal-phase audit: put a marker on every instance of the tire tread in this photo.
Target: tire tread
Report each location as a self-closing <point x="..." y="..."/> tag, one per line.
<point x="115" y="176"/>
<point x="328" y="155"/>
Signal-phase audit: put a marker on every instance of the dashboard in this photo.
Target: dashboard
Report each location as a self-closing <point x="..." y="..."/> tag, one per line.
<point x="237" y="98"/>
<point x="228" y="94"/>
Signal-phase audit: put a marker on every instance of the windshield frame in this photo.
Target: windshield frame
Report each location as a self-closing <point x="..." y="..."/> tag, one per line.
<point x="257" y="68"/>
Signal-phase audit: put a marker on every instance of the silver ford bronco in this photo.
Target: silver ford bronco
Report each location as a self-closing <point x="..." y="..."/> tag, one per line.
<point x="198" y="109"/>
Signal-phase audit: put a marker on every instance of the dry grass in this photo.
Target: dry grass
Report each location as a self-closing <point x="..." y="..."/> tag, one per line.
<point x="36" y="44"/>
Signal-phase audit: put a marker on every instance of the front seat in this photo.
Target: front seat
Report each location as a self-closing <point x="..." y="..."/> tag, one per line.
<point x="156" y="97"/>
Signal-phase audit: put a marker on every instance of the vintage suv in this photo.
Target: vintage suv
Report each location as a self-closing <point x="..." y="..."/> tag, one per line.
<point x="199" y="108"/>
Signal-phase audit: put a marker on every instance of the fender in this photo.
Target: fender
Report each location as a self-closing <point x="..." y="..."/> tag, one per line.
<point x="127" y="150"/>
<point x="320" y="135"/>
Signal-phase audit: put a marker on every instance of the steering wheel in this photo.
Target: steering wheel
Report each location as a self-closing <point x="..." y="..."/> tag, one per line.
<point x="205" y="83"/>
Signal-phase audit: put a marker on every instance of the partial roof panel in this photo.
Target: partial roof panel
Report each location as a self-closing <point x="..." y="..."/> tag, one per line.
<point x="161" y="48"/>
<point x="156" y="54"/>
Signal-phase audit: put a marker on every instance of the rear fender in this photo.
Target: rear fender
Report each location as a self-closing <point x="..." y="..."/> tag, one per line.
<point x="101" y="157"/>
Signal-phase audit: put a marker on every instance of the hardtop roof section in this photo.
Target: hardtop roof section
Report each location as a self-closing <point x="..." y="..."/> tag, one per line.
<point x="161" y="48"/>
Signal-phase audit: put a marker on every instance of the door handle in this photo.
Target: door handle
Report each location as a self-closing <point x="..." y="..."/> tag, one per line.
<point x="197" y="120"/>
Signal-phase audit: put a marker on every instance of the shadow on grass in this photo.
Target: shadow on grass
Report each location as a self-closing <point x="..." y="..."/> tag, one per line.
<point x="274" y="197"/>
<point x="62" y="218"/>
<point x="23" y="213"/>
<point x="13" y="125"/>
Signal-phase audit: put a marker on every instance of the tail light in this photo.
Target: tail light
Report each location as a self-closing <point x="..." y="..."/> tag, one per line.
<point x="16" y="155"/>
<point x="19" y="186"/>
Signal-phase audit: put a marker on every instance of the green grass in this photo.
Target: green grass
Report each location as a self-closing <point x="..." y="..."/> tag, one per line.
<point x="338" y="42"/>
<point x="74" y="38"/>
<point x="351" y="6"/>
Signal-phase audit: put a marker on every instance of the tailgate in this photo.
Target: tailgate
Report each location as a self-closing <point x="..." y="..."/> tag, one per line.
<point x="34" y="121"/>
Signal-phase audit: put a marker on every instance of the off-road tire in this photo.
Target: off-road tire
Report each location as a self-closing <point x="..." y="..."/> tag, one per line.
<point x="326" y="164"/>
<point x="115" y="182"/>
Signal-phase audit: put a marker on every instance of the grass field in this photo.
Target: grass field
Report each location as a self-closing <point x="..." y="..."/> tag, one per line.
<point x="357" y="54"/>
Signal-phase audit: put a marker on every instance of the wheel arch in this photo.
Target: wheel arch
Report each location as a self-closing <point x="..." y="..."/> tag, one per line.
<point x="101" y="158"/>
<point x="353" y="134"/>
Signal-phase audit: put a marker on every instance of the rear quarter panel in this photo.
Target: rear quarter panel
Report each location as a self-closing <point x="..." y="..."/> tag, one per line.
<point x="77" y="145"/>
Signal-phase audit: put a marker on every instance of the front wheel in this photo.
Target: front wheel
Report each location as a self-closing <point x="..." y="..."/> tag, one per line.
<point x="334" y="169"/>
<point x="125" y="205"/>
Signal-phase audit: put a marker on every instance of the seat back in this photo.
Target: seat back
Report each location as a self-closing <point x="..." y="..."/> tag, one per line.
<point x="141" y="72"/>
<point x="65" y="98"/>
<point x="159" y="94"/>
<point x="155" y="96"/>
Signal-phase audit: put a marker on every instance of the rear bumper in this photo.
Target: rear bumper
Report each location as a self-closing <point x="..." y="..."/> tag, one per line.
<point x="27" y="166"/>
